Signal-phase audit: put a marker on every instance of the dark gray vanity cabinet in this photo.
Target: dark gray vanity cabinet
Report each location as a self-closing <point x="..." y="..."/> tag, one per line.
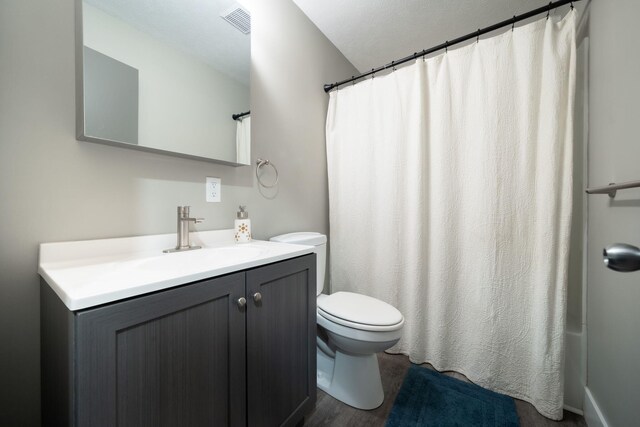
<point x="281" y="342"/>
<point x="193" y="355"/>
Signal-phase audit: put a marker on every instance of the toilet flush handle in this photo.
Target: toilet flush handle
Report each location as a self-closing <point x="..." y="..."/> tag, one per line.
<point x="257" y="297"/>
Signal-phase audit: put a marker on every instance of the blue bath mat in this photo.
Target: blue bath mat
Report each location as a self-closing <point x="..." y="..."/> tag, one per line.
<point x="428" y="398"/>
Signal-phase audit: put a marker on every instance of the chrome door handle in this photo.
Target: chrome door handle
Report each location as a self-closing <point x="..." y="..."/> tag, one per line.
<point x="257" y="297"/>
<point x="242" y="301"/>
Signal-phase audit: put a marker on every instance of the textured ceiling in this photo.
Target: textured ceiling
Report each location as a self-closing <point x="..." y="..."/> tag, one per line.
<point x="193" y="26"/>
<point x="371" y="33"/>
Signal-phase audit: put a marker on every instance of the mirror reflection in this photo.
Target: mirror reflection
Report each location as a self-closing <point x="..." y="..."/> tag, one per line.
<point x="169" y="76"/>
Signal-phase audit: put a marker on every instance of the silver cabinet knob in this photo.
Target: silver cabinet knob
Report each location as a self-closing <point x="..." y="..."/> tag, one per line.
<point x="257" y="297"/>
<point x="242" y="301"/>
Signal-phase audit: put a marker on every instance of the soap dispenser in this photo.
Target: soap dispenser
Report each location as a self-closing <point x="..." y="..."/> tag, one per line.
<point x="243" y="226"/>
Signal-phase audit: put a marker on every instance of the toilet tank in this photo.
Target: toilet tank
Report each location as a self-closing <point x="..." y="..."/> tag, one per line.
<point x="310" y="238"/>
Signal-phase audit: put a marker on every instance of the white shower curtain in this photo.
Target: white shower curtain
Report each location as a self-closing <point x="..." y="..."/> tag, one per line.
<point x="450" y="198"/>
<point x="243" y="140"/>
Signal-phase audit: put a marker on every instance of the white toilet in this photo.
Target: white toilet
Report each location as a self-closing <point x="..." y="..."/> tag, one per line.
<point x="351" y="329"/>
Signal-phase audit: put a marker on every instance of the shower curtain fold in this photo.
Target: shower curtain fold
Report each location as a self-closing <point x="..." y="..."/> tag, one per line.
<point x="450" y="198"/>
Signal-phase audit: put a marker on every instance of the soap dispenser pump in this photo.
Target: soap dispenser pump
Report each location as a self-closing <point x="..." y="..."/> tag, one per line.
<point x="242" y="226"/>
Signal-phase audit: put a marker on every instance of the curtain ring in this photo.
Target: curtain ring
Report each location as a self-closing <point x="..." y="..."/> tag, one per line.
<point x="264" y="162"/>
<point x="478" y="36"/>
<point x="424" y="52"/>
<point x="446" y="46"/>
<point x="513" y="24"/>
<point x="353" y="80"/>
<point x="571" y="6"/>
<point x="393" y="67"/>
<point x="549" y="9"/>
<point x="373" y="73"/>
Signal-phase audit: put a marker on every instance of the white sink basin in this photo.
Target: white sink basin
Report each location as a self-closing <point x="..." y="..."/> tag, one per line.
<point x="203" y="259"/>
<point x="93" y="272"/>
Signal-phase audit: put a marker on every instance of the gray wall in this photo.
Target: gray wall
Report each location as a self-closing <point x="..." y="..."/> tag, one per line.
<point x="54" y="188"/>
<point x="613" y="316"/>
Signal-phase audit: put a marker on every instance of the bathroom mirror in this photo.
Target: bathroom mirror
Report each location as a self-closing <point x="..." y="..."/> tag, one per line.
<point x="165" y="76"/>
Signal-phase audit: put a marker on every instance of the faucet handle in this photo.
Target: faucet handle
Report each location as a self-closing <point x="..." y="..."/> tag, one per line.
<point x="198" y="220"/>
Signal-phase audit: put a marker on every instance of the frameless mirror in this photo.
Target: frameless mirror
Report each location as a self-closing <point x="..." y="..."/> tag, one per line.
<point x="169" y="76"/>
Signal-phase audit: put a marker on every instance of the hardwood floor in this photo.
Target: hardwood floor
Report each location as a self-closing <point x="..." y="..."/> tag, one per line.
<point x="331" y="412"/>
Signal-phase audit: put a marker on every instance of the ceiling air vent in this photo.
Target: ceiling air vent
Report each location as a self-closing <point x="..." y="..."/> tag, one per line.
<point x="238" y="17"/>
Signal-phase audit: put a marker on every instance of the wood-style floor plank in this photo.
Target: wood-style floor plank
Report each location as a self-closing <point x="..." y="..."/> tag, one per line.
<point x="331" y="412"/>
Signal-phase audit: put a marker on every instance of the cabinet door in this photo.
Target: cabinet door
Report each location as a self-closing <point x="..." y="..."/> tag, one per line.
<point x="281" y="342"/>
<point x="173" y="358"/>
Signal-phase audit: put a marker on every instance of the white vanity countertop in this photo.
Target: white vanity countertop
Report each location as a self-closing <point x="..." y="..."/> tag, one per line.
<point x="93" y="272"/>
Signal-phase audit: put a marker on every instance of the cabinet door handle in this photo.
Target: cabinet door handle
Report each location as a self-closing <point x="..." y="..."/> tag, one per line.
<point x="257" y="297"/>
<point x="242" y="301"/>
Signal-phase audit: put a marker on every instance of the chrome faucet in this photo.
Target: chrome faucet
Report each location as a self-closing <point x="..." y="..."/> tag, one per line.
<point x="183" y="230"/>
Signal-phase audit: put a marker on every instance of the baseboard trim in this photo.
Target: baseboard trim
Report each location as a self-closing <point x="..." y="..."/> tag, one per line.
<point x="574" y="410"/>
<point x="592" y="413"/>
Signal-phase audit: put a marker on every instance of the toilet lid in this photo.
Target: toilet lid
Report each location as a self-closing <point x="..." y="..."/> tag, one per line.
<point x="359" y="309"/>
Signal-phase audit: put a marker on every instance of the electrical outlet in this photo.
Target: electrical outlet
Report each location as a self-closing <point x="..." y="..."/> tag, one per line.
<point x="213" y="188"/>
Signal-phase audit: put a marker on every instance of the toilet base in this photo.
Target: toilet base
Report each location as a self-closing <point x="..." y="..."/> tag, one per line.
<point x="351" y="378"/>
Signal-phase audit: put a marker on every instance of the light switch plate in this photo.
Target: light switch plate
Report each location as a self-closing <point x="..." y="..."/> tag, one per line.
<point x="213" y="188"/>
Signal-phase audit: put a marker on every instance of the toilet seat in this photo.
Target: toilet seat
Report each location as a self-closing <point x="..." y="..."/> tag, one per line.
<point x="360" y="312"/>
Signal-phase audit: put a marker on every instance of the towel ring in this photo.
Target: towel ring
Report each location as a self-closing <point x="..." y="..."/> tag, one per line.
<point x="264" y="162"/>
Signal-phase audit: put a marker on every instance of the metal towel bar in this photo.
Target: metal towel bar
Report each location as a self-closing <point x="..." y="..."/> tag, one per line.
<point x="265" y="162"/>
<point x="612" y="188"/>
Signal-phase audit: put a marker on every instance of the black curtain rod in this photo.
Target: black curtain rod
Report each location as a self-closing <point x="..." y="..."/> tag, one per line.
<point x="237" y="116"/>
<point x="447" y="44"/>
